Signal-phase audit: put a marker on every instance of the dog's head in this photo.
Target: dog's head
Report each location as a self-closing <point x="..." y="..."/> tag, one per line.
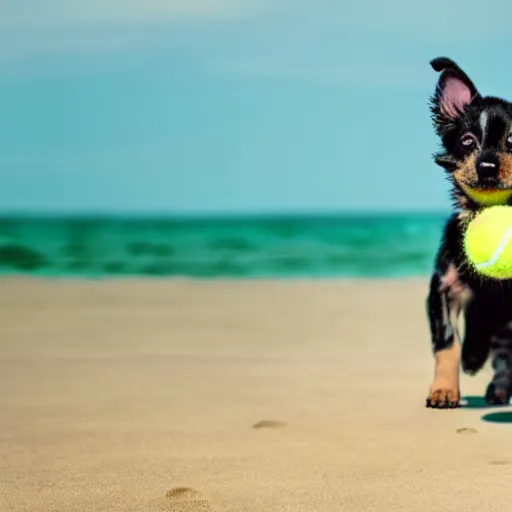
<point x="476" y="136"/>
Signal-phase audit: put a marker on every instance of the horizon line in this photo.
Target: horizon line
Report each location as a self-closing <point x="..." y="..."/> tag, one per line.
<point x="213" y="215"/>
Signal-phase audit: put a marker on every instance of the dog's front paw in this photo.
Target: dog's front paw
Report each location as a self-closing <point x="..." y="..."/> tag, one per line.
<point x="443" y="395"/>
<point x="497" y="395"/>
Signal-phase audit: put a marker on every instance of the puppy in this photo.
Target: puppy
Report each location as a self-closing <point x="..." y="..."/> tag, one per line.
<point x="476" y="153"/>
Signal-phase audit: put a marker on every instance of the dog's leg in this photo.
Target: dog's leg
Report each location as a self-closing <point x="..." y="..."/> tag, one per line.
<point x="444" y="304"/>
<point x="499" y="390"/>
<point x="480" y="322"/>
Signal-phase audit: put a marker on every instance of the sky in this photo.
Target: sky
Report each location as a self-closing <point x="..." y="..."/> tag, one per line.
<point x="226" y="106"/>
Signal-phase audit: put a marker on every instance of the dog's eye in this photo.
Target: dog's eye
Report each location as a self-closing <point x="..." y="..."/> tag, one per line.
<point x="468" y="140"/>
<point x="509" y="141"/>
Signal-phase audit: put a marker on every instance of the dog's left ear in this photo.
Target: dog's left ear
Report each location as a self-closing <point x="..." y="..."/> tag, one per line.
<point x="454" y="92"/>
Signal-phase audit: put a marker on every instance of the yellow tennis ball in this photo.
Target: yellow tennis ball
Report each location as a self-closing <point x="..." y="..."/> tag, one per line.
<point x="488" y="242"/>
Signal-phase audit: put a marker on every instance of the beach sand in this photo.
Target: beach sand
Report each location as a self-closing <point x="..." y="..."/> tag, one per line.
<point x="141" y="396"/>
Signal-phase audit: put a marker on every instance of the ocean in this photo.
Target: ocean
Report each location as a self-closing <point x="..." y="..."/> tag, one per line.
<point x="355" y="246"/>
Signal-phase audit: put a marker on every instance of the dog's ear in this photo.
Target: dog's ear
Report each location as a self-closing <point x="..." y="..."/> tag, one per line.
<point x="454" y="92"/>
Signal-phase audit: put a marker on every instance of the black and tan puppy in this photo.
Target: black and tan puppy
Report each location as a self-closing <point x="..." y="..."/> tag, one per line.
<point x="476" y="139"/>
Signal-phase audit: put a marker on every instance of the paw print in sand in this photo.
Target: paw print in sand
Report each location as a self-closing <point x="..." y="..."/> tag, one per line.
<point x="179" y="499"/>
<point x="272" y="424"/>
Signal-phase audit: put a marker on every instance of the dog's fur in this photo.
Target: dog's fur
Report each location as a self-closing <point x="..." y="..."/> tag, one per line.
<point x="476" y="140"/>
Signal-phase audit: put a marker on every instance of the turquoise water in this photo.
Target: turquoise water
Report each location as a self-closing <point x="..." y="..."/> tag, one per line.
<point x="337" y="246"/>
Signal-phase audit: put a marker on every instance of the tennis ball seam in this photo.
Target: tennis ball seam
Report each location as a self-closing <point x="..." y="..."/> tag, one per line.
<point x="505" y="239"/>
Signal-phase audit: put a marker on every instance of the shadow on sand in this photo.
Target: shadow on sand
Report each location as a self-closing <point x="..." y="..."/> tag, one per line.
<point x="498" y="417"/>
<point x="502" y="414"/>
<point x="474" y="402"/>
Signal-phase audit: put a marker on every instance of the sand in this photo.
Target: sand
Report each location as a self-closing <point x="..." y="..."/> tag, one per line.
<point x="140" y="396"/>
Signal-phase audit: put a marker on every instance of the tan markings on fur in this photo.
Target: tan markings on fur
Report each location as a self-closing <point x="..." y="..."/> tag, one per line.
<point x="466" y="170"/>
<point x="451" y="283"/>
<point x="465" y="217"/>
<point x="449" y="278"/>
<point x="461" y="200"/>
<point x="505" y="172"/>
<point x="458" y="296"/>
<point x="445" y="388"/>
<point x="466" y="176"/>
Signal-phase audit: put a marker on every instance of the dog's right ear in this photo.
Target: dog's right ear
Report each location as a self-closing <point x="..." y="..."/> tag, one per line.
<point x="454" y="92"/>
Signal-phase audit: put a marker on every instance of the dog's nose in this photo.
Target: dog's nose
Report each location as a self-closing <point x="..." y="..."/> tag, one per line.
<point x="487" y="168"/>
